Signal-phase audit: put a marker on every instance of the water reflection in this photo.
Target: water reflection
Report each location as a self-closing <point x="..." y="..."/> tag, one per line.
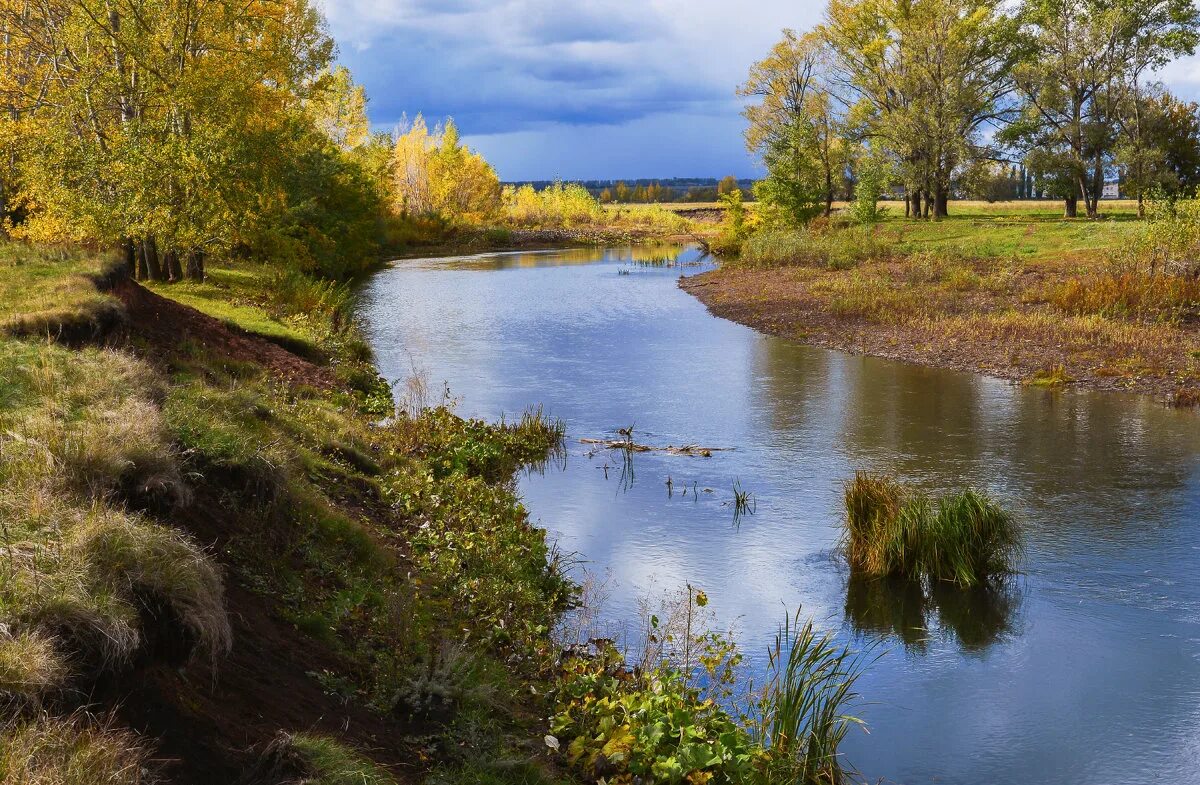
<point x="914" y="612"/>
<point x="1085" y="670"/>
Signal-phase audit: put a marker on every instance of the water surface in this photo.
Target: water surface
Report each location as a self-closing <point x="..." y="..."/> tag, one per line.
<point x="1085" y="670"/>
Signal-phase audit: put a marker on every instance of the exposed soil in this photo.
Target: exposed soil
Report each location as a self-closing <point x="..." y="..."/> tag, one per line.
<point x="773" y="302"/>
<point x="211" y="723"/>
<point x="165" y="324"/>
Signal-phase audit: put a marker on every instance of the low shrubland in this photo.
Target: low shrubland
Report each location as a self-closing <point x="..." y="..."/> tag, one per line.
<point x="569" y="206"/>
<point x="895" y="531"/>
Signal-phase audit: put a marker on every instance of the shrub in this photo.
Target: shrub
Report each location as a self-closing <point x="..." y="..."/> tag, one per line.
<point x="655" y="727"/>
<point x="891" y="530"/>
<point x="559" y="206"/>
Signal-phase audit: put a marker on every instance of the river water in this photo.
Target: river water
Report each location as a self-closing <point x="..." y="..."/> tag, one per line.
<point x="1085" y="669"/>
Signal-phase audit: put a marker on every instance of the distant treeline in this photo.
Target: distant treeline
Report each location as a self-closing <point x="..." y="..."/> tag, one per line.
<point x="649" y="191"/>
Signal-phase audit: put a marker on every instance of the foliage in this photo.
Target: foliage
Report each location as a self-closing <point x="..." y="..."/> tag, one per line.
<point x="872" y="177"/>
<point x="562" y="205"/>
<point x="891" y="530"/>
<point x="435" y="174"/>
<point x="735" y="226"/>
<point x="654" y="726"/>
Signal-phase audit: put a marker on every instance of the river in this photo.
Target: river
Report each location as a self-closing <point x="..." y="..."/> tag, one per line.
<point x="1084" y="669"/>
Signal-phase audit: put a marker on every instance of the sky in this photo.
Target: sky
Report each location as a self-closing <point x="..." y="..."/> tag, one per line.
<point x="581" y="89"/>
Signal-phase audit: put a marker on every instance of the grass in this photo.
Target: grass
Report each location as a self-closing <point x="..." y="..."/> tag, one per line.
<point x="1001" y="288"/>
<point x="76" y="750"/>
<point x="895" y="531"/>
<point x="802" y="714"/>
<point x="52" y="291"/>
<point x="316" y="760"/>
<point x="382" y="543"/>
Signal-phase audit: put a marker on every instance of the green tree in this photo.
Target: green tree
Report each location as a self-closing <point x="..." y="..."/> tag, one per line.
<point x="796" y="128"/>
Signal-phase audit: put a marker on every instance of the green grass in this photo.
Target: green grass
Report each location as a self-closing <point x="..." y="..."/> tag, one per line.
<point x="316" y="760"/>
<point x="802" y="716"/>
<point x="895" y="531"/>
<point x="51" y="291"/>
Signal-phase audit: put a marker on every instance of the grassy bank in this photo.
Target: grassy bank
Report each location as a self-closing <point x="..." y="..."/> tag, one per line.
<point x="1008" y="289"/>
<point x="211" y="545"/>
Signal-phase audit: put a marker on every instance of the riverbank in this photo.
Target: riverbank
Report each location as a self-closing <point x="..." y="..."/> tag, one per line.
<point x="222" y="567"/>
<point x="1020" y="298"/>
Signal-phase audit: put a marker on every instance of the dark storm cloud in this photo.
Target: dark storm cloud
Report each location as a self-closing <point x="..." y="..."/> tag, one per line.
<point x="513" y="65"/>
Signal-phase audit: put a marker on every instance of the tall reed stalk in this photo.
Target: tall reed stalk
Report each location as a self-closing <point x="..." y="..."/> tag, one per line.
<point x="801" y="716"/>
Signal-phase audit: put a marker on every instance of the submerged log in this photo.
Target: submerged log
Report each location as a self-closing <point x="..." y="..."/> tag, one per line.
<point x="631" y="446"/>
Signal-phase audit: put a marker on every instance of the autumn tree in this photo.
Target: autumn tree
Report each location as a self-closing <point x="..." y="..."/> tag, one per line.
<point x="796" y="127"/>
<point x="925" y="78"/>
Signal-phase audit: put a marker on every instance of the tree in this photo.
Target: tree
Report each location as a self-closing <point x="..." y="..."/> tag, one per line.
<point x="124" y="145"/>
<point x="925" y="77"/>
<point x="339" y="108"/>
<point x="434" y="174"/>
<point x="1084" y="59"/>
<point x="795" y="127"/>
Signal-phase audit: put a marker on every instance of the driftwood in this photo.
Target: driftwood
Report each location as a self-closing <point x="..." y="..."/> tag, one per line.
<point x="631" y="446"/>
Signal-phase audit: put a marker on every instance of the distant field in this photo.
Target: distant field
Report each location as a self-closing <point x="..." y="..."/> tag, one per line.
<point x="1037" y="208"/>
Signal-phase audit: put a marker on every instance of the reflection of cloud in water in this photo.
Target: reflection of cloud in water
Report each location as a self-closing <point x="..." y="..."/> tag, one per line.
<point x="914" y="611"/>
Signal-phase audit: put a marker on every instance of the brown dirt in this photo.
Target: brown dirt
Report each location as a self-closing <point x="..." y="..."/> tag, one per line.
<point x="776" y="302"/>
<point x="211" y="722"/>
<point x="164" y="324"/>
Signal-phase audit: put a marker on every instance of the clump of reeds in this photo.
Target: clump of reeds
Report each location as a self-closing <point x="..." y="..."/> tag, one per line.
<point x="802" y="713"/>
<point x="891" y="530"/>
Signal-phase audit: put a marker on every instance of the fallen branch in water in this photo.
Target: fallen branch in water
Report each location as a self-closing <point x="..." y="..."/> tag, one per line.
<point x="631" y="446"/>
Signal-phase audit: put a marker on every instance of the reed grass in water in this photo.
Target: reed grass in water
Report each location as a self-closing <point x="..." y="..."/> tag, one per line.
<point x="891" y="530"/>
<point x="802" y="714"/>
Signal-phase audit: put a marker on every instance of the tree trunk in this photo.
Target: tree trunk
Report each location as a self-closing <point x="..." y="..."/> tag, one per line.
<point x="173" y="269"/>
<point x="150" y="257"/>
<point x="941" y="202"/>
<point x="130" y="255"/>
<point x="143" y="272"/>
<point x="1071" y="207"/>
<point x="928" y="204"/>
<point x="1097" y="189"/>
<point x="195" y="265"/>
<point x="1141" y="204"/>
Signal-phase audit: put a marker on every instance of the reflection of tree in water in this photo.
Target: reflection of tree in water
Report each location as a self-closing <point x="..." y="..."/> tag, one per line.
<point x="914" y="611"/>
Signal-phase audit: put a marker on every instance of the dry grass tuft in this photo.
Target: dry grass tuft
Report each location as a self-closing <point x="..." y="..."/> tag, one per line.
<point x="30" y="667"/>
<point x="78" y="750"/>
